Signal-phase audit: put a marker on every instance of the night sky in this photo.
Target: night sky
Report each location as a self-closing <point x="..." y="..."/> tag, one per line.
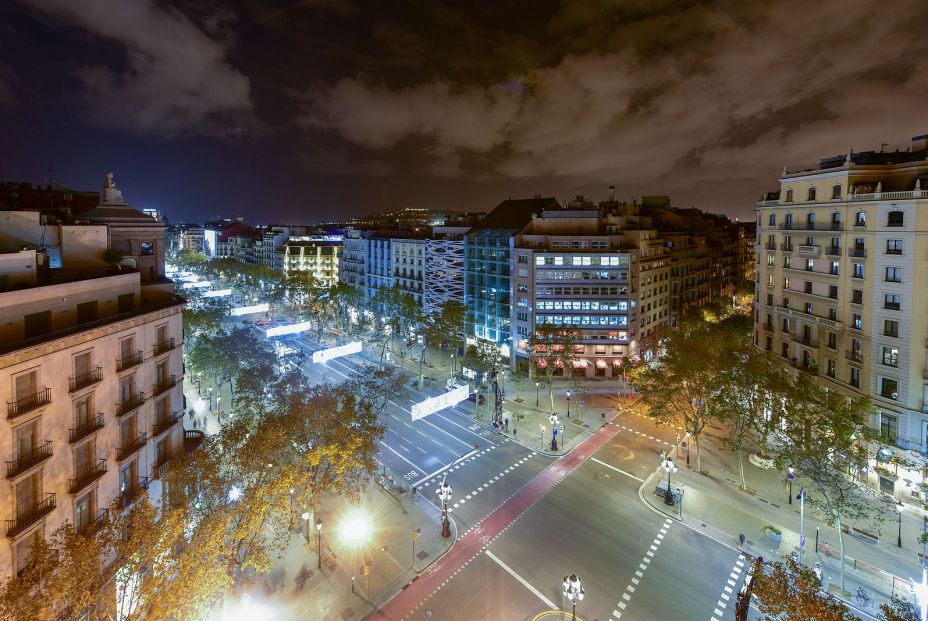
<point x="300" y="111"/>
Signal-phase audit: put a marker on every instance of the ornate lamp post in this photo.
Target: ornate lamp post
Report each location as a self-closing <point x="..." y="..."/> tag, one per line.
<point x="789" y="477"/>
<point x="568" y="403"/>
<point x="669" y="467"/>
<point x="899" y="509"/>
<point x="444" y="494"/>
<point x="574" y="592"/>
<point x="536" y="394"/>
<point x="554" y="420"/>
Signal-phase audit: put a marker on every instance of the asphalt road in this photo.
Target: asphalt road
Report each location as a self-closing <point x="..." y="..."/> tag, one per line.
<point x="634" y="563"/>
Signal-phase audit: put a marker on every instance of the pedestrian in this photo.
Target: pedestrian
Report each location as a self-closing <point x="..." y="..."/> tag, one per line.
<point x="513" y="432"/>
<point x="414" y="491"/>
<point x="507" y="424"/>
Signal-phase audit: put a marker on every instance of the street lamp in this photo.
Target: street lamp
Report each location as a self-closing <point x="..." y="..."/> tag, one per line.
<point x="687" y="436"/>
<point x="669" y="467"/>
<point x="210" y="390"/>
<point x="444" y="494"/>
<point x="452" y="365"/>
<point x="789" y="477"/>
<point x="574" y="592"/>
<point x="536" y="394"/>
<point x="319" y="543"/>
<point x="568" y="403"/>
<point x="554" y="420"/>
<point x="899" y="509"/>
<point x="218" y="409"/>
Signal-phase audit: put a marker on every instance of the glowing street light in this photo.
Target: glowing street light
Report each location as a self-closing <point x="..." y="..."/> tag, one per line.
<point x="355" y="528"/>
<point x="554" y="420"/>
<point x="234" y="493"/>
<point x="574" y="592"/>
<point x="245" y="610"/>
<point x="568" y="403"/>
<point x="790" y="476"/>
<point x="319" y="543"/>
<point x="536" y="394"/>
<point x="669" y="467"/>
<point x="444" y="494"/>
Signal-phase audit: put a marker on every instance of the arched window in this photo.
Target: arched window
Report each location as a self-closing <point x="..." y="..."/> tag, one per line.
<point x="811" y="196"/>
<point x="789" y="196"/>
<point x="896" y="218"/>
<point x="861" y="219"/>
<point x="836" y="191"/>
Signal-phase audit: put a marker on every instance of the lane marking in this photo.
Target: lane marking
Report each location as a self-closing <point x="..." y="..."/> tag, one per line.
<point x="620" y="471"/>
<point x="522" y="580"/>
<point x="643" y="566"/>
<point x="392" y="450"/>
<point x="440" y="470"/>
<point x="725" y="596"/>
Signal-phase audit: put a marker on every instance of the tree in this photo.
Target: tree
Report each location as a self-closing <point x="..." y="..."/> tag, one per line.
<point x="485" y="359"/>
<point x="187" y="259"/>
<point x="450" y="324"/>
<point x="789" y="591"/>
<point x="553" y="347"/>
<point x="899" y="610"/>
<point x="682" y="377"/>
<point x="819" y="433"/>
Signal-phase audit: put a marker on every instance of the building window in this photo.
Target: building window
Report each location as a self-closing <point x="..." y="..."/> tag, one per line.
<point x="858" y="270"/>
<point x="854" y="377"/>
<point x="808" y="308"/>
<point x="38" y="324"/>
<point x="857" y="296"/>
<point x="860" y="219"/>
<point x="770" y="280"/>
<point x="832" y="340"/>
<point x="833" y="314"/>
<point x="523" y="258"/>
<point x="811" y="195"/>
<point x="889" y="388"/>
<point x="836" y="191"/>
<point x="834" y="268"/>
<point x="833" y="292"/>
<point x="895" y="218"/>
<point x="829" y="367"/>
<point x="810" y="265"/>
<point x="893" y="274"/>
<point x="772" y="220"/>
<point x="787" y="261"/>
<point x="890" y="356"/>
<point x="771" y="259"/>
<point x="889" y="427"/>
<point x="857" y="321"/>
<point x="810" y="220"/>
<point x="893" y="246"/>
<point x="892" y="301"/>
<point x="789" y="196"/>
<point x="891" y="328"/>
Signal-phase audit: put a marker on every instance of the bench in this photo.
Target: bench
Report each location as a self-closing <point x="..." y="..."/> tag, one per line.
<point x="861" y="534"/>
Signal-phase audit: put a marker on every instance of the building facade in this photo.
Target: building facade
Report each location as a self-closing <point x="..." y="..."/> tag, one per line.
<point x="90" y="370"/>
<point x="317" y="255"/>
<point x="444" y="267"/>
<point x="839" y="256"/>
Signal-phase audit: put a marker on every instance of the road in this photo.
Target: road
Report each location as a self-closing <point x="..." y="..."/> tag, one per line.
<point x="525" y="520"/>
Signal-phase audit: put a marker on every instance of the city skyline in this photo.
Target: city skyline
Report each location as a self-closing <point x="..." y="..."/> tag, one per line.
<point x="314" y="110"/>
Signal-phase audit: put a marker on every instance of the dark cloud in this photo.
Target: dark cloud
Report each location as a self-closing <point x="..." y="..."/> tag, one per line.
<point x="171" y="78"/>
<point x="692" y="95"/>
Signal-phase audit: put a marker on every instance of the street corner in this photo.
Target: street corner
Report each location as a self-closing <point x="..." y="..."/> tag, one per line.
<point x="552" y="615"/>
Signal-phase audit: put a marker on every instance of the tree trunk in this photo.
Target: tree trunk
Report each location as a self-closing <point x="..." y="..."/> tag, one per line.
<point x="696" y="442"/>
<point x="551" y="394"/>
<point x="383" y="353"/>
<point x="744" y="484"/>
<point x="841" y="548"/>
<point x="421" y="360"/>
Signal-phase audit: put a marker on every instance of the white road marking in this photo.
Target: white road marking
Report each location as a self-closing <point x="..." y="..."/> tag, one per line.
<point x="628" y="474"/>
<point x="440" y="470"/>
<point x="392" y="450"/>
<point x="522" y="580"/>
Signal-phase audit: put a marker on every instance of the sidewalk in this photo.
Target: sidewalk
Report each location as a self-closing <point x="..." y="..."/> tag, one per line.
<point x="712" y="503"/>
<point x="341" y="591"/>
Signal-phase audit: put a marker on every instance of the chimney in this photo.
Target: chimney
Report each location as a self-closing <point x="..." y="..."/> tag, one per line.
<point x="611" y="193"/>
<point x="920" y="143"/>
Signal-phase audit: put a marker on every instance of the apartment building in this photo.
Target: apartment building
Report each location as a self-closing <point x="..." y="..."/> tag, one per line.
<point x="444" y="267"/>
<point x="840" y="257"/>
<point x="318" y="255"/>
<point x="488" y="264"/>
<point x="374" y="260"/>
<point x="90" y="369"/>
<point x="568" y="271"/>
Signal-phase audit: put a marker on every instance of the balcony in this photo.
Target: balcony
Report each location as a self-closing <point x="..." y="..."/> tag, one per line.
<point x="129" y="495"/>
<point x="165" y="424"/>
<point x="132" y="447"/>
<point x="85" y="379"/>
<point x="770" y="246"/>
<point x="94" y="524"/>
<point x="854" y="356"/>
<point x="164" y="347"/>
<point x="87" y="477"/>
<point x="164" y="385"/>
<point x="809" y="250"/>
<point x="786" y="247"/>
<point x="15" y="409"/>
<point x="26" y="461"/>
<point x="26" y="515"/>
<point x="76" y="434"/>
<point x="193" y="439"/>
<point x="833" y="251"/>
<point x="133" y="403"/>
<point x="130" y="361"/>
<point x="860" y="253"/>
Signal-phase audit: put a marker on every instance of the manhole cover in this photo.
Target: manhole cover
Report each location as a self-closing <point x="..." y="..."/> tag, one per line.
<point x="422" y="555"/>
<point x="348" y="613"/>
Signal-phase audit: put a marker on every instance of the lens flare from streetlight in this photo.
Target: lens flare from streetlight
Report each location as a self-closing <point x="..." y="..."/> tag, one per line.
<point x="355" y="528"/>
<point x="245" y="610"/>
